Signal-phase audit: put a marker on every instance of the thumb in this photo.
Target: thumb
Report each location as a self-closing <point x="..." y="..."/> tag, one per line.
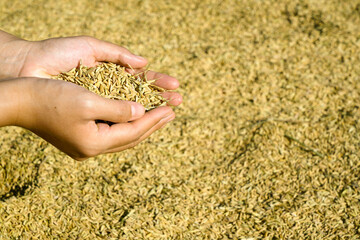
<point x="117" y="110"/>
<point x="109" y="52"/>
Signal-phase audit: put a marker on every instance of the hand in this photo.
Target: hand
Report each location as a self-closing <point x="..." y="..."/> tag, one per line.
<point x="20" y="58"/>
<point x="53" y="56"/>
<point x="56" y="55"/>
<point x="68" y="121"/>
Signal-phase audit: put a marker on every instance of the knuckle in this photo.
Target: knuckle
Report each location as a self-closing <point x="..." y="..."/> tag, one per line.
<point x="124" y="113"/>
<point x="121" y="112"/>
<point x="86" y="103"/>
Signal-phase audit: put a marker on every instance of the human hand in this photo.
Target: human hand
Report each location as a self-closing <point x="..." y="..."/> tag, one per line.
<point x="53" y="56"/>
<point x="65" y="114"/>
<point x="20" y="58"/>
<point x="69" y="120"/>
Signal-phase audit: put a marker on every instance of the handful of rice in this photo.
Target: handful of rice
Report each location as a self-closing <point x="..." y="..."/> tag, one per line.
<point x="110" y="80"/>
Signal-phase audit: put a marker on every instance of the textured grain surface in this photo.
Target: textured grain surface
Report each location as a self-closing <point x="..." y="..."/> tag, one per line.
<point x="265" y="145"/>
<point x="112" y="81"/>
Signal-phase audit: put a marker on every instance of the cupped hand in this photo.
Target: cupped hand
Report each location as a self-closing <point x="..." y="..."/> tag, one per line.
<point x="53" y="56"/>
<point x="66" y="115"/>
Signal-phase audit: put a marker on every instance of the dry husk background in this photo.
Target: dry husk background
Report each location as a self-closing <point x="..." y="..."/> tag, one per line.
<point x="265" y="145"/>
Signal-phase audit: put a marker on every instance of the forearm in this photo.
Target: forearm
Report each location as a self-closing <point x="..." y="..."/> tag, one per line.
<point x="13" y="52"/>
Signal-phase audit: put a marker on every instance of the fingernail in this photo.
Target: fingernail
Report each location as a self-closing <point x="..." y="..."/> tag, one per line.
<point x="140" y="58"/>
<point x="137" y="111"/>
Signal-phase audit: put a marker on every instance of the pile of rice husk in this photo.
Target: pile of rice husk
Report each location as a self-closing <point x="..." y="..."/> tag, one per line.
<point x="110" y="80"/>
<point x="265" y="145"/>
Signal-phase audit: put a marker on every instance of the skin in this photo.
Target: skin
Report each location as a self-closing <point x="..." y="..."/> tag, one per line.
<point x="65" y="114"/>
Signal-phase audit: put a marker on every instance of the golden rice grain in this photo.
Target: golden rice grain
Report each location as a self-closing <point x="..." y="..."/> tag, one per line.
<point x="266" y="145"/>
<point x="110" y="80"/>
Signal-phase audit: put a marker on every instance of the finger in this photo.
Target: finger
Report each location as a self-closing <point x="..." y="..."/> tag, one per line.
<point x="116" y="111"/>
<point x="125" y="133"/>
<point x="109" y="52"/>
<point x="162" y="80"/>
<point x="158" y="126"/>
<point x="174" y="98"/>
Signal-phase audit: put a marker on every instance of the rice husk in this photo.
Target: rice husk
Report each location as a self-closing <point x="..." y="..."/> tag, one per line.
<point x="111" y="80"/>
<point x="265" y="145"/>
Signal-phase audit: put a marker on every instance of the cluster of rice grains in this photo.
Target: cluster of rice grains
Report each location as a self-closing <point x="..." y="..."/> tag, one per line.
<point x="266" y="145"/>
<point x="112" y="81"/>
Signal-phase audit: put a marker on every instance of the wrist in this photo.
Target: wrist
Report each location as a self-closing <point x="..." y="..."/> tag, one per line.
<point x="13" y="53"/>
<point x="14" y="101"/>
